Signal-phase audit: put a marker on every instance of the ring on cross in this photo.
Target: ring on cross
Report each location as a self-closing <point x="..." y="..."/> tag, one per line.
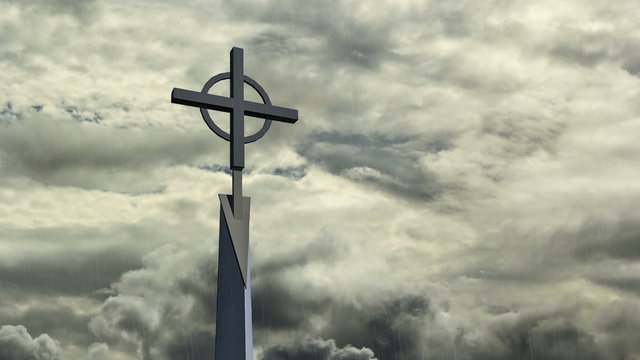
<point x="215" y="128"/>
<point x="237" y="106"/>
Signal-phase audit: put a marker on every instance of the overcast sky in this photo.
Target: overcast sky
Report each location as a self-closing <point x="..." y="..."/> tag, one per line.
<point x="463" y="182"/>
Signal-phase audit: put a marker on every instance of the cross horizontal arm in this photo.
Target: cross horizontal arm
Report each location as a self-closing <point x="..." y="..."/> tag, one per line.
<point x="270" y="112"/>
<point x="221" y="103"/>
<point x="198" y="99"/>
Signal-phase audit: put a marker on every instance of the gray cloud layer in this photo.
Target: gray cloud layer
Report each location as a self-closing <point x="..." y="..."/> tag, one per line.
<point x="316" y="349"/>
<point x="17" y="344"/>
<point x="462" y="183"/>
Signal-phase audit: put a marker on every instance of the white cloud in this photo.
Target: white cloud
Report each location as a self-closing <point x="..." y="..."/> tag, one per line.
<point x="480" y="155"/>
<point x="17" y="344"/>
<point x="99" y="351"/>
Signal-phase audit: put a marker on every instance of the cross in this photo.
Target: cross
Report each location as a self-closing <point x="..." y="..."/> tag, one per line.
<point x="234" y="331"/>
<point x="238" y="107"/>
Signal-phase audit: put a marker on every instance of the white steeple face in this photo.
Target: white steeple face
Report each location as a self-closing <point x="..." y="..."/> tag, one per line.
<point x="234" y="329"/>
<point x="239" y="231"/>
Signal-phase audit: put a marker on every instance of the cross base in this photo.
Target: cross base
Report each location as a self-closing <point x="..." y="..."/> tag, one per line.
<point x="234" y="330"/>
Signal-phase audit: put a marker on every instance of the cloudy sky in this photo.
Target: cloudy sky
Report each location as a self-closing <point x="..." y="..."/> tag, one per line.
<point x="463" y="182"/>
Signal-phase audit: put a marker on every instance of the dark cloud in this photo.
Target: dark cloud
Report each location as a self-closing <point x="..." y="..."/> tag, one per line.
<point x="345" y="38"/>
<point x="77" y="115"/>
<point x="296" y="172"/>
<point x="99" y="351"/>
<point x="558" y="340"/>
<point x="167" y="308"/>
<point x="276" y="306"/>
<point x="17" y="344"/>
<point x="620" y="321"/>
<point x="178" y="319"/>
<point x="521" y="134"/>
<point x="55" y="318"/>
<point x="378" y="160"/>
<point x="630" y="56"/>
<point x="556" y="256"/>
<point x="324" y="248"/>
<point x="456" y="71"/>
<point x="68" y="273"/>
<point x="273" y="42"/>
<point x="202" y="288"/>
<point x="629" y="283"/>
<point x="451" y="19"/>
<point x="398" y="326"/>
<point x="586" y="48"/>
<point x="391" y="328"/>
<point x="425" y="101"/>
<point x="89" y="155"/>
<point x="598" y="239"/>
<point x="7" y="114"/>
<point x="593" y="47"/>
<point x="130" y="318"/>
<point x="216" y="168"/>
<point x="542" y="336"/>
<point x="194" y="345"/>
<point x="354" y="43"/>
<point x="560" y="255"/>
<point x="78" y="8"/>
<point x="409" y="327"/>
<point x="316" y="349"/>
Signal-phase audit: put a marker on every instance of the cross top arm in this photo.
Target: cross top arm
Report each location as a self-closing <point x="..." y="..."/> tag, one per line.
<point x="225" y="104"/>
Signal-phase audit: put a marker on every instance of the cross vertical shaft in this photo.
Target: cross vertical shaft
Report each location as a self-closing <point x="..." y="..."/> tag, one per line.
<point x="237" y="127"/>
<point x="237" y="113"/>
<point x="236" y="192"/>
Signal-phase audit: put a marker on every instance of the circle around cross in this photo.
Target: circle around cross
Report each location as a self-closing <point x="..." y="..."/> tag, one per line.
<point x="215" y="128"/>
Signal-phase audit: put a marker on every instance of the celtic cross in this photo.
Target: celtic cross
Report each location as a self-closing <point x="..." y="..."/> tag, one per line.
<point x="238" y="107"/>
<point x="234" y="334"/>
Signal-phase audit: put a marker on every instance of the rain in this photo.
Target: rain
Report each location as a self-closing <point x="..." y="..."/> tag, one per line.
<point x="461" y="183"/>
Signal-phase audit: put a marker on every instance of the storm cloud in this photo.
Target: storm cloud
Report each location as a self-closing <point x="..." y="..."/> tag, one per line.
<point x="316" y="349"/>
<point x="17" y="344"/>
<point x="462" y="182"/>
